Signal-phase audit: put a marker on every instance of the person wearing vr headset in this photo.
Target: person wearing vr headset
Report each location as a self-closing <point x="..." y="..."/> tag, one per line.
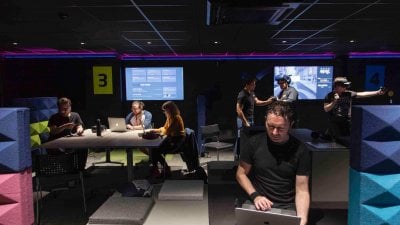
<point x="288" y="93"/>
<point x="338" y="104"/>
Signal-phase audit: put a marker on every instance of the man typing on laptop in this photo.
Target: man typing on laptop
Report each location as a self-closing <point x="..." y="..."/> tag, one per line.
<point x="138" y="118"/>
<point x="280" y="165"/>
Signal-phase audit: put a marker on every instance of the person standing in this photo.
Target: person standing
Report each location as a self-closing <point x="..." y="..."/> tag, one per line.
<point x="246" y="100"/>
<point x="280" y="165"/>
<point x="338" y="105"/>
<point x="287" y="93"/>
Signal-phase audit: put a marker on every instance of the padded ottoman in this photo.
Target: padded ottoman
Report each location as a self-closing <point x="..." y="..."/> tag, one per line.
<point x="182" y="190"/>
<point x="122" y="210"/>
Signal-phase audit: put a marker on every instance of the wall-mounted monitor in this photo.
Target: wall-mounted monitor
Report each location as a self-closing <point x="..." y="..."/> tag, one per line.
<point x="311" y="82"/>
<point x="154" y="83"/>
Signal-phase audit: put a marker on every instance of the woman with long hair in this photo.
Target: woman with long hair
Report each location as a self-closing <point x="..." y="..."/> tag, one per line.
<point x="174" y="129"/>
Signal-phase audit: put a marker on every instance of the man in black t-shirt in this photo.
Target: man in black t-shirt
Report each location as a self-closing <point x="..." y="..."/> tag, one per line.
<point x="338" y="104"/>
<point x="64" y="123"/>
<point x="246" y="100"/>
<point x="279" y="165"/>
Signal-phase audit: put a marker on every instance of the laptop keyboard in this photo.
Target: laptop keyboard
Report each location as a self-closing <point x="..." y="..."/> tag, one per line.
<point x="248" y="205"/>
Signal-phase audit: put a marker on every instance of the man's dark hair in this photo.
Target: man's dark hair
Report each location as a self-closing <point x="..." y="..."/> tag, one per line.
<point x="280" y="108"/>
<point x="249" y="80"/>
<point x="63" y="101"/>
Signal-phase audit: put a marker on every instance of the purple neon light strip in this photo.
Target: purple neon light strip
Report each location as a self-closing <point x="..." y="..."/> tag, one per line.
<point x="51" y="54"/>
<point x="385" y="54"/>
<point x="86" y="54"/>
<point x="225" y="56"/>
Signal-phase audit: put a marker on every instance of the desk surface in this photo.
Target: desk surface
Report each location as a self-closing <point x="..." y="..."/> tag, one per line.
<point x="108" y="139"/>
<point x="324" y="146"/>
<point x="129" y="139"/>
<point x="304" y="135"/>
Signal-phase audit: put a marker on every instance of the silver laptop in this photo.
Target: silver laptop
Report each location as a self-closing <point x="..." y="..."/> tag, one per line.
<point x="117" y="124"/>
<point x="256" y="217"/>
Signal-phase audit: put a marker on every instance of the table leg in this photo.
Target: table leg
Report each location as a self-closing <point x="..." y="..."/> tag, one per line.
<point x="129" y="163"/>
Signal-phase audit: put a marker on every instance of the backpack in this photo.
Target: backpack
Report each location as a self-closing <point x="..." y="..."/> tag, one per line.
<point x="136" y="188"/>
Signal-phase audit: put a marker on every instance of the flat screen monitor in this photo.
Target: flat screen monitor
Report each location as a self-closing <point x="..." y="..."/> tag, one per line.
<point x="311" y="82"/>
<point x="154" y="83"/>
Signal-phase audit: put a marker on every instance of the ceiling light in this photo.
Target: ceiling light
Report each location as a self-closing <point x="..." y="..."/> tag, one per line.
<point x="63" y="16"/>
<point x="149" y="42"/>
<point x="352" y="41"/>
<point x="216" y="42"/>
<point x="15" y="43"/>
<point x="83" y="43"/>
<point x="284" y="42"/>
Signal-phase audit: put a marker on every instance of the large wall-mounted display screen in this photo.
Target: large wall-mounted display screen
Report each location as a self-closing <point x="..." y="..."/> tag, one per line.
<point x="311" y="82"/>
<point x="154" y="83"/>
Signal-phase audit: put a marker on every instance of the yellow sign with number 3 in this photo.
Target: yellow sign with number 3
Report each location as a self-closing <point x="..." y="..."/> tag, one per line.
<point x="102" y="80"/>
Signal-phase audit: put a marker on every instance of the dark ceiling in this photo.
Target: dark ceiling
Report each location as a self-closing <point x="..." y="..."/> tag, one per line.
<point x="178" y="27"/>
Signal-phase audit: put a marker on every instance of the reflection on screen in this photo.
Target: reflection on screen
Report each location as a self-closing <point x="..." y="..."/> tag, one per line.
<point x="154" y="83"/>
<point x="311" y="82"/>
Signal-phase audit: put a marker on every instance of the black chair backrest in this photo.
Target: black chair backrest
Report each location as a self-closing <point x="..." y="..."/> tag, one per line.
<point x="49" y="165"/>
<point x="210" y="131"/>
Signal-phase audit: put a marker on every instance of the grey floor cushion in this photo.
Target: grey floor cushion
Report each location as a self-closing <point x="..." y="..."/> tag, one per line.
<point x="182" y="190"/>
<point x="122" y="210"/>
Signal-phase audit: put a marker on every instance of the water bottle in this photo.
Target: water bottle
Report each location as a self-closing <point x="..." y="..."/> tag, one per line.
<point x="98" y="127"/>
<point x="144" y="131"/>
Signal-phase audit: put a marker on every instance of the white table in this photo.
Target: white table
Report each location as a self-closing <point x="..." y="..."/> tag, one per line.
<point x="108" y="139"/>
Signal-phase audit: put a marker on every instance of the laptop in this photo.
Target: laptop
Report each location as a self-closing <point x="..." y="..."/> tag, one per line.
<point x="256" y="217"/>
<point x="117" y="124"/>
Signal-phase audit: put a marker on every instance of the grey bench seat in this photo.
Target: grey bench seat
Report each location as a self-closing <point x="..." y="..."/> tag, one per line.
<point x="122" y="210"/>
<point x="182" y="190"/>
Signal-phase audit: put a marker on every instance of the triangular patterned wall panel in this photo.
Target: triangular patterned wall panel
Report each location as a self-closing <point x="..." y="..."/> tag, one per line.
<point x="15" y="152"/>
<point x="377" y="157"/>
<point x="39" y="127"/>
<point x="16" y="200"/>
<point x="375" y="138"/>
<point x="374" y="199"/>
<point x="35" y="140"/>
<point x="41" y="107"/>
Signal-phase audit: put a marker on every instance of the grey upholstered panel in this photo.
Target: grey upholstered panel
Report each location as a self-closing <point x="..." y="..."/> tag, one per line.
<point x="182" y="190"/>
<point x="122" y="210"/>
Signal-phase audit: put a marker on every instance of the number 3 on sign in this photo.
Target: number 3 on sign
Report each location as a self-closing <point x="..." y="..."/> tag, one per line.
<point x="102" y="80"/>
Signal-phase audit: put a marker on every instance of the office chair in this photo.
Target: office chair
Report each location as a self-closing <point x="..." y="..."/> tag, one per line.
<point x="188" y="152"/>
<point x="210" y="134"/>
<point x="54" y="166"/>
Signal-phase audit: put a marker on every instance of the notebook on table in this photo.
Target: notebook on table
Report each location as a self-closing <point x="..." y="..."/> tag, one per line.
<point x="117" y="124"/>
<point x="256" y="217"/>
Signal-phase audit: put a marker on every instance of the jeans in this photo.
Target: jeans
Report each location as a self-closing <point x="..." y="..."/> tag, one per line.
<point x="240" y="125"/>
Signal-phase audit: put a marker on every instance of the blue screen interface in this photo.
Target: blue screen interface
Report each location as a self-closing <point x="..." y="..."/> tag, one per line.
<point x="154" y="83"/>
<point x="311" y="82"/>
